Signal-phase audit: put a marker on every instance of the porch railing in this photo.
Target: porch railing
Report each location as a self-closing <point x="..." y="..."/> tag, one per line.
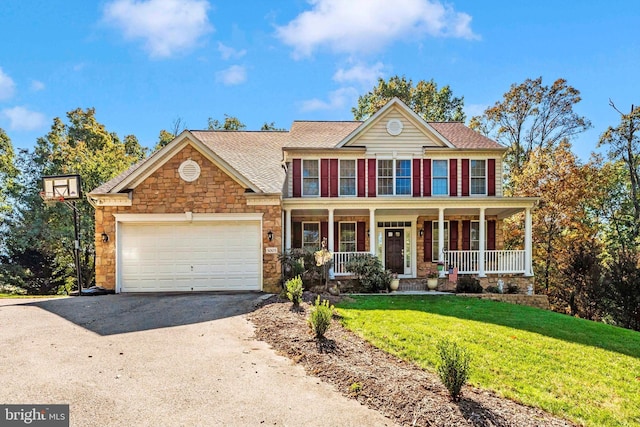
<point x="340" y="259"/>
<point x="495" y="262"/>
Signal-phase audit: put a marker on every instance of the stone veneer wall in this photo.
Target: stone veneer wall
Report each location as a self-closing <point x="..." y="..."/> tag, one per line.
<point x="538" y="301"/>
<point x="165" y="192"/>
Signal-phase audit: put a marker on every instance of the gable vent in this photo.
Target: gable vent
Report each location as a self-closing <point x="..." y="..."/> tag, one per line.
<point x="394" y="127"/>
<point x="189" y="170"/>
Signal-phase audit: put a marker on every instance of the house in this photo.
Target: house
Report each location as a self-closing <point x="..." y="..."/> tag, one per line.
<point x="213" y="210"/>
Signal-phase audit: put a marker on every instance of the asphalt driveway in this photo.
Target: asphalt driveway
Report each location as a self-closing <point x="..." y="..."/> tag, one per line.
<point x="161" y="360"/>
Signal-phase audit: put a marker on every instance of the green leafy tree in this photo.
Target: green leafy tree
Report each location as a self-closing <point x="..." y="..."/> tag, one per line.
<point x="532" y="115"/>
<point x="8" y="171"/>
<point x="429" y="102"/>
<point x="166" y="136"/>
<point x="230" y="123"/>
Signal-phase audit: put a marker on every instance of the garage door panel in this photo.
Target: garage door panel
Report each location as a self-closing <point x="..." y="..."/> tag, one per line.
<point x="222" y="255"/>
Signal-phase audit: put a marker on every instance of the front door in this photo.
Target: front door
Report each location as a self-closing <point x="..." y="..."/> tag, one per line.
<point x="394" y="250"/>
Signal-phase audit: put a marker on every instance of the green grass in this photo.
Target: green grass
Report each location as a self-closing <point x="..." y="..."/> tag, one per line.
<point x="583" y="371"/>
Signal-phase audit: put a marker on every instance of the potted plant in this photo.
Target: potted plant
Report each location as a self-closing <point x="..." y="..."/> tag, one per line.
<point x="432" y="280"/>
<point x="395" y="282"/>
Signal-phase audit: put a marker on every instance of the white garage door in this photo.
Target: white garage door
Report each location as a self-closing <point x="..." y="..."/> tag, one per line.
<point x="198" y="256"/>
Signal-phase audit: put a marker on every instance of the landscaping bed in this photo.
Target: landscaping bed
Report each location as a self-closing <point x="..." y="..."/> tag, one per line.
<point x="400" y="390"/>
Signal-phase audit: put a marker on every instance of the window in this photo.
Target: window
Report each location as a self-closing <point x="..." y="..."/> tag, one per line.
<point x="310" y="178"/>
<point x="440" y="178"/>
<point x="475" y="235"/>
<point x="347" y="177"/>
<point x="434" y="239"/>
<point x="347" y="237"/>
<point x="311" y="236"/>
<point x="394" y="177"/>
<point x="478" y="177"/>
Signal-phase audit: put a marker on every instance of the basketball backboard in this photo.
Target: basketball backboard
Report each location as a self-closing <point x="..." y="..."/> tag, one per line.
<point x="61" y="187"/>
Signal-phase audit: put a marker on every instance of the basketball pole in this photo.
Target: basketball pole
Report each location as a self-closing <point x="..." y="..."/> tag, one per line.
<point x="76" y="249"/>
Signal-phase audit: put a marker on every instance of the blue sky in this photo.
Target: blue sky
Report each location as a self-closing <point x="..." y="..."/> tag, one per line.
<point x="144" y="63"/>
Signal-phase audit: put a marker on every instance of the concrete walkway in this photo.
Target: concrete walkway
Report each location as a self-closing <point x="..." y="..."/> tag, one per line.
<point x="160" y="360"/>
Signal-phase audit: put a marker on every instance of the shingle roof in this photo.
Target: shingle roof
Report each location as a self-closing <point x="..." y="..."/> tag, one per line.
<point x="309" y="134"/>
<point x="463" y="137"/>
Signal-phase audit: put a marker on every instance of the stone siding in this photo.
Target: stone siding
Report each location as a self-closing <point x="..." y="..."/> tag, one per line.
<point x="164" y="192"/>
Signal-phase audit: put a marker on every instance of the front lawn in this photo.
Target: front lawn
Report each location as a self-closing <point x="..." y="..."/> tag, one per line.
<point x="583" y="371"/>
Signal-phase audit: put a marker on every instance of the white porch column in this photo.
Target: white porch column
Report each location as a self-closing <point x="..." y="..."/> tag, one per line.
<point x="287" y="229"/>
<point x="330" y="241"/>
<point x="441" y="238"/>
<point x="372" y="231"/>
<point x="481" y="245"/>
<point x="528" y="243"/>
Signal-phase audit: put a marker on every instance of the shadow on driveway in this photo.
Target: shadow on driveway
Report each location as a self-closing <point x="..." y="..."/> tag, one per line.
<point x="119" y="314"/>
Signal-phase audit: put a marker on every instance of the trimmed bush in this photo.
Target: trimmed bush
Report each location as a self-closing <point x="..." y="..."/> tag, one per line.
<point x="300" y="262"/>
<point x="468" y="285"/>
<point x="493" y="290"/>
<point x="371" y="275"/>
<point x="512" y="289"/>
<point x="294" y="290"/>
<point x="453" y="367"/>
<point x="320" y="317"/>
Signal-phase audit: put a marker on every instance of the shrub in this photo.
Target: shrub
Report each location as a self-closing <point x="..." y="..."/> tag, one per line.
<point x="370" y="273"/>
<point x="320" y="317"/>
<point x="294" y="290"/>
<point x="468" y="285"/>
<point x="453" y="367"/>
<point x="300" y="262"/>
<point x="493" y="290"/>
<point x="12" y="290"/>
<point x="512" y="289"/>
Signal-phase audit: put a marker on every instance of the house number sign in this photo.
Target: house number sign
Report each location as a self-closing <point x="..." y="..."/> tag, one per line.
<point x="272" y="250"/>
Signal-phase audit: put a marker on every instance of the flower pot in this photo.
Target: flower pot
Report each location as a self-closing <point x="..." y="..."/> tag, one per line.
<point x="432" y="284"/>
<point x="395" y="283"/>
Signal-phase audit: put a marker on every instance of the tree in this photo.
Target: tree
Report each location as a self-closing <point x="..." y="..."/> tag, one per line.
<point x="230" y="123"/>
<point x="8" y="171"/>
<point x="165" y="136"/>
<point x="624" y="146"/>
<point x="270" y="127"/>
<point x="622" y="289"/>
<point x="424" y="98"/>
<point x="532" y="115"/>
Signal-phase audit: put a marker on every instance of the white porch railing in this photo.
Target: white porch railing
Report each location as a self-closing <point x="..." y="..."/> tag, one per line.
<point x="340" y="259"/>
<point x="495" y="262"/>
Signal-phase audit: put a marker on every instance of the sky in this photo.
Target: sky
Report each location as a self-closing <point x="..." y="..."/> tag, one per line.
<point x="143" y="64"/>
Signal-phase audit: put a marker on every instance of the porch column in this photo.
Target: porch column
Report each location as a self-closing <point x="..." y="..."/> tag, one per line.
<point x="481" y="245"/>
<point x="331" y="231"/>
<point x="441" y="238"/>
<point x="287" y="229"/>
<point x="528" y="246"/>
<point x="372" y="231"/>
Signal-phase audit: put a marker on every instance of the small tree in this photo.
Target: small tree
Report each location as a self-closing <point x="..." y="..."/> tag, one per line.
<point x="320" y="317"/>
<point x="453" y="367"/>
<point x="294" y="290"/>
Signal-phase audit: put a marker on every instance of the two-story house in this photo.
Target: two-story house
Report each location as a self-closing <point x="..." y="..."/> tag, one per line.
<point x="213" y="209"/>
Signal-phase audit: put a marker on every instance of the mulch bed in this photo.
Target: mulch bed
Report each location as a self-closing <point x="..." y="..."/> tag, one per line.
<point x="400" y="390"/>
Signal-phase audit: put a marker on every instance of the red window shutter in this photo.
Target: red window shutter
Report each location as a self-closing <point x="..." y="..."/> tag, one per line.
<point x="336" y="237"/>
<point x="296" y="234"/>
<point x="416" y="178"/>
<point x="465" y="177"/>
<point x="334" y="173"/>
<point x="428" y="248"/>
<point x="426" y="177"/>
<point x="453" y="235"/>
<point x="362" y="177"/>
<point x="466" y="235"/>
<point x="491" y="177"/>
<point x="372" y="171"/>
<point x="324" y="231"/>
<point x="360" y="236"/>
<point x="491" y="235"/>
<point x="324" y="178"/>
<point x="297" y="178"/>
<point x="453" y="177"/>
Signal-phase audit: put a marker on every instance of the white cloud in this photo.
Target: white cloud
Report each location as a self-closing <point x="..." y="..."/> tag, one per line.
<point x="22" y="119"/>
<point x="7" y="86"/>
<point x="369" y="25"/>
<point x="37" y="85"/>
<point x="166" y="26"/>
<point x="360" y="73"/>
<point x="338" y="99"/>
<point x="233" y="75"/>
<point x="228" y="52"/>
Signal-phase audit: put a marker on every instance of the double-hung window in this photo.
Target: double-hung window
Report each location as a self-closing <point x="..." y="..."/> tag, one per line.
<point x="394" y="177"/>
<point x="478" y="177"/>
<point x="347" y="237"/>
<point x="435" y="239"/>
<point x="475" y="235"/>
<point x="347" y="177"/>
<point x="311" y="236"/>
<point x="440" y="178"/>
<point x="310" y="178"/>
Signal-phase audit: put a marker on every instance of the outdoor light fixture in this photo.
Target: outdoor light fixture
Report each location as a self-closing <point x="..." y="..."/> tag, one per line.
<point x="105" y="237"/>
<point x="421" y="232"/>
<point x="270" y="235"/>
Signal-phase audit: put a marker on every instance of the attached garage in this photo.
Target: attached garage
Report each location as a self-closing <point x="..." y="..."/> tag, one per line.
<point x="186" y="256"/>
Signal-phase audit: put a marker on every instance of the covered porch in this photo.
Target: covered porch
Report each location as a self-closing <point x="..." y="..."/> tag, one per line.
<point x="413" y="236"/>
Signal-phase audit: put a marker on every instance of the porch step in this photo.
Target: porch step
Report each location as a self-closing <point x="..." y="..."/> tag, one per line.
<point x="413" y="285"/>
